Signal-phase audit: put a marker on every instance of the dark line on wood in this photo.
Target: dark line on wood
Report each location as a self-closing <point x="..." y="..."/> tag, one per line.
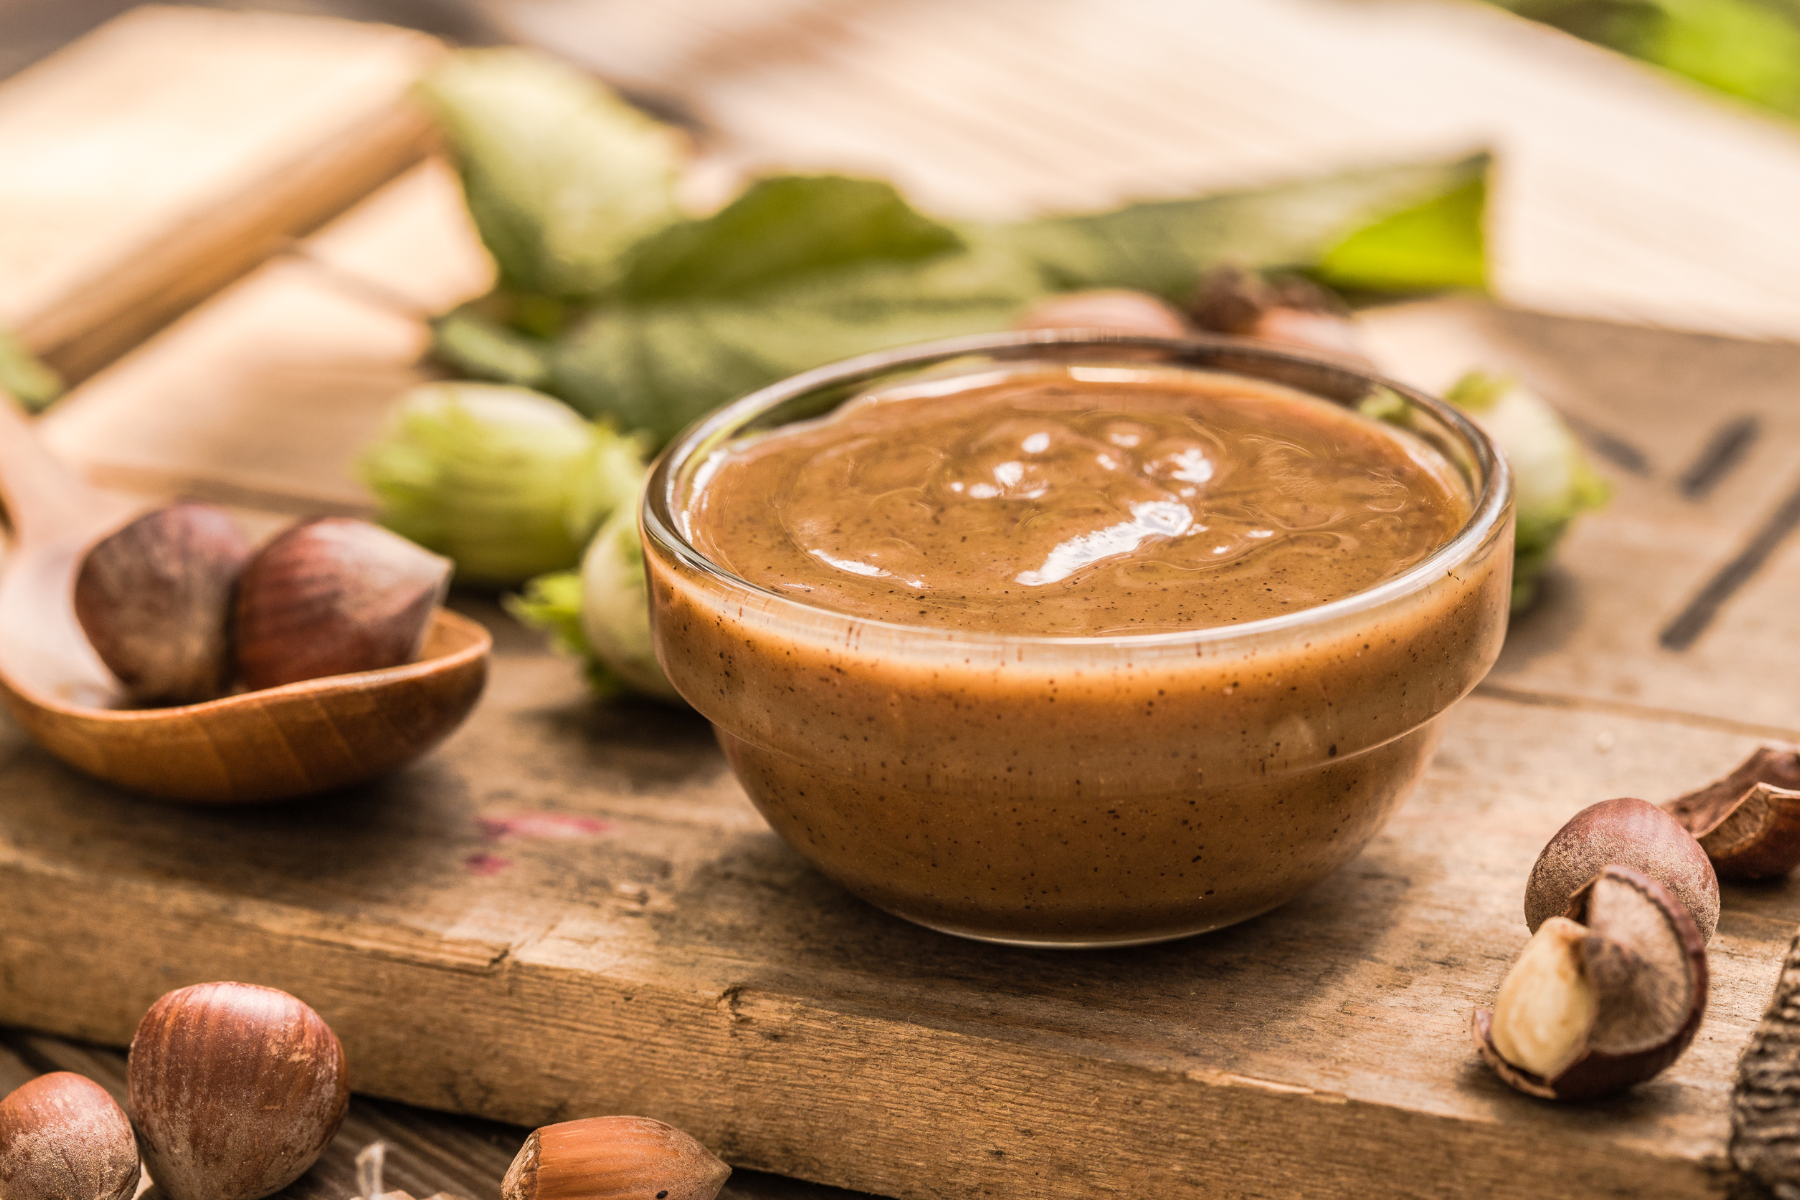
<point x="1722" y="452"/>
<point x="1692" y="621"/>
<point x="1638" y="712"/>
<point x="1610" y="446"/>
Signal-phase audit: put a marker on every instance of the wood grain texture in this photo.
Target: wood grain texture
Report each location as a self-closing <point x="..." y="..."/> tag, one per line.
<point x="163" y="155"/>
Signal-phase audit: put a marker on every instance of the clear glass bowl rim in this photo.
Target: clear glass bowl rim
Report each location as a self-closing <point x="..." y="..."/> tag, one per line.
<point x="1488" y="517"/>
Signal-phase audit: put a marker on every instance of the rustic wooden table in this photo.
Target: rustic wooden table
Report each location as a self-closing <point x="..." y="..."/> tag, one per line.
<point x="573" y="909"/>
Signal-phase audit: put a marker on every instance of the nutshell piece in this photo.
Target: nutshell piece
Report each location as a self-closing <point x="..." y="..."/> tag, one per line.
<point x="154" y="599"/>
<point x="1765" y="1120"/>
<point x="1118" y="310"/>
<point x="613" y="1158"/>
<point x="1607" y="997"/>
<point x="63" y="1138"/>
<point x="1279" y="308"/>
<point x="1748" y="822"/>
<point x="1633" y="833"/>
<point x="235" y="1090"/>
<point x="332" y="596"/>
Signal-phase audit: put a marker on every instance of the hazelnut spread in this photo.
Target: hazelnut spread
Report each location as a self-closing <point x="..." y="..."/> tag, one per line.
<point x="1084" y="502"/>
<point x="985" y="647"/>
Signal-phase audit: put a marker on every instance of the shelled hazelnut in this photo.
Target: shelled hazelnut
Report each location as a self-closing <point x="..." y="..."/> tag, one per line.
<point x="63" y="1138"/>
<point x="613" y="1158"/>
<point x="1603" y="997"/>
<point x="235" y="1090"/>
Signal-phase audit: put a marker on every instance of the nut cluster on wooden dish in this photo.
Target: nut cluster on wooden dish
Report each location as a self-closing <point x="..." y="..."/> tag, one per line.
<point x="1621" y="903"/>
<point x="235" y="1091"/>
<point x="181" y="609"/>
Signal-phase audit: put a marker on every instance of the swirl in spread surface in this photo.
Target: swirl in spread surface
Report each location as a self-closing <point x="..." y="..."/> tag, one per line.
<point x="1076" y="502"/>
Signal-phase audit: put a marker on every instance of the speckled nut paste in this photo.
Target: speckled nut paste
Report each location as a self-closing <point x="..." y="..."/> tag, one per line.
<point x="997" y="713"/>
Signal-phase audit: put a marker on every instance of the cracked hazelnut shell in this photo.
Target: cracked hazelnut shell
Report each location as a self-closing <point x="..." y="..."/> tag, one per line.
<point x="613" y="1158"/>
<point x="1641" y="963"/>
<point x="334" y="596"/>
<point x="1632" y="833"/>
<point x="1748" y="822"/>
<point x="235" y="1090"/>
<point x="63" y="1138"/>
<point x="154" y="599"/>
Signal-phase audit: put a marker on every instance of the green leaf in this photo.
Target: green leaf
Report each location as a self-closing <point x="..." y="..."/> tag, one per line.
<point x="561" y="176"/>
<point x="472" y="345"/>
<point x="28" y="380"/>
<point x="1437" y="244"/>
<point x="1366" y="215"/>
<point x="798" y="272"/>
<point x="780" y="230"/>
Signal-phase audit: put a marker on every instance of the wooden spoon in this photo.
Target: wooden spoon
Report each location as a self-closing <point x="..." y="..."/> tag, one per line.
<point x="264" y="745"/>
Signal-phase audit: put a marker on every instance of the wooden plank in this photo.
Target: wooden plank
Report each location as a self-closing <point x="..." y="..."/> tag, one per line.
<point x="682" y="963"/>
<point x="1623" y="193"/>
<point x="264" y="395"/>
<point x="163" y="155"/>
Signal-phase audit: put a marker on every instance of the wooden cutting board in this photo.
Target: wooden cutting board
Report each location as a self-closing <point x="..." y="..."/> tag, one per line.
<point x="572" y="908"/>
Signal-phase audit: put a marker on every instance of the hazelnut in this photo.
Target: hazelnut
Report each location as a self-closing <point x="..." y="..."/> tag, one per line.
<point x="1748" y="822"/>
<point x="1633" y="833"/>
<point x="63" y="1138"/>
<point x="235" y="1090"/>
<point x="1602" y="998"/>
<point x="332" y="596"/>
<point x="154" y="599"/>
<point x="1118" y="310"/>
<point x="1275" y="308"/>
<point x="613" y="1158"/>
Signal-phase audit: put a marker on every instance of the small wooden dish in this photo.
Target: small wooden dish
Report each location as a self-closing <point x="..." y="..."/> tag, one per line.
<point x="272" y="744"/>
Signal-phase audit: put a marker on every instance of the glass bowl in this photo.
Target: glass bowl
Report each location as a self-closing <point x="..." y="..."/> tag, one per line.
<point x="1080" y="791"/>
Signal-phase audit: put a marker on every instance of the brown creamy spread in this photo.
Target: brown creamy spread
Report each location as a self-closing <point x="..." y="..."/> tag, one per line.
<point x="1077" y="502"/>
<point x="1066" y="790"/>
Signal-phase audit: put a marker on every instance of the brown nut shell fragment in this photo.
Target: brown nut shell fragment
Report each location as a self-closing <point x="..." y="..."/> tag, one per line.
<point x="613" y="1158"/>
<point x="1275" y="308"/>
<point x="1632" y="833"/>
<point x="63" y="1138"/>
<point x="1748" y="822"/>
<point x="1647" y="963"/>
<point x="1765" y="1121"/>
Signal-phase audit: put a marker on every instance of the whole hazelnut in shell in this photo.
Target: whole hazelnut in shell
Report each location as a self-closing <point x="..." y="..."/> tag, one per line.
<point x="1116" y="310"/>
<point x="154" y="599"/>
<point x="333" y="596"/>
<point x="235" y="1090"/>
<point x="1635" y="834"/>
<point x="613" y="1158"/>
<point x="63" y="1138"/>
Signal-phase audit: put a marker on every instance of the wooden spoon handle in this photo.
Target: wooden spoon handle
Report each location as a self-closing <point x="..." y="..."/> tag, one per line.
<point x="43" y="498"/>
